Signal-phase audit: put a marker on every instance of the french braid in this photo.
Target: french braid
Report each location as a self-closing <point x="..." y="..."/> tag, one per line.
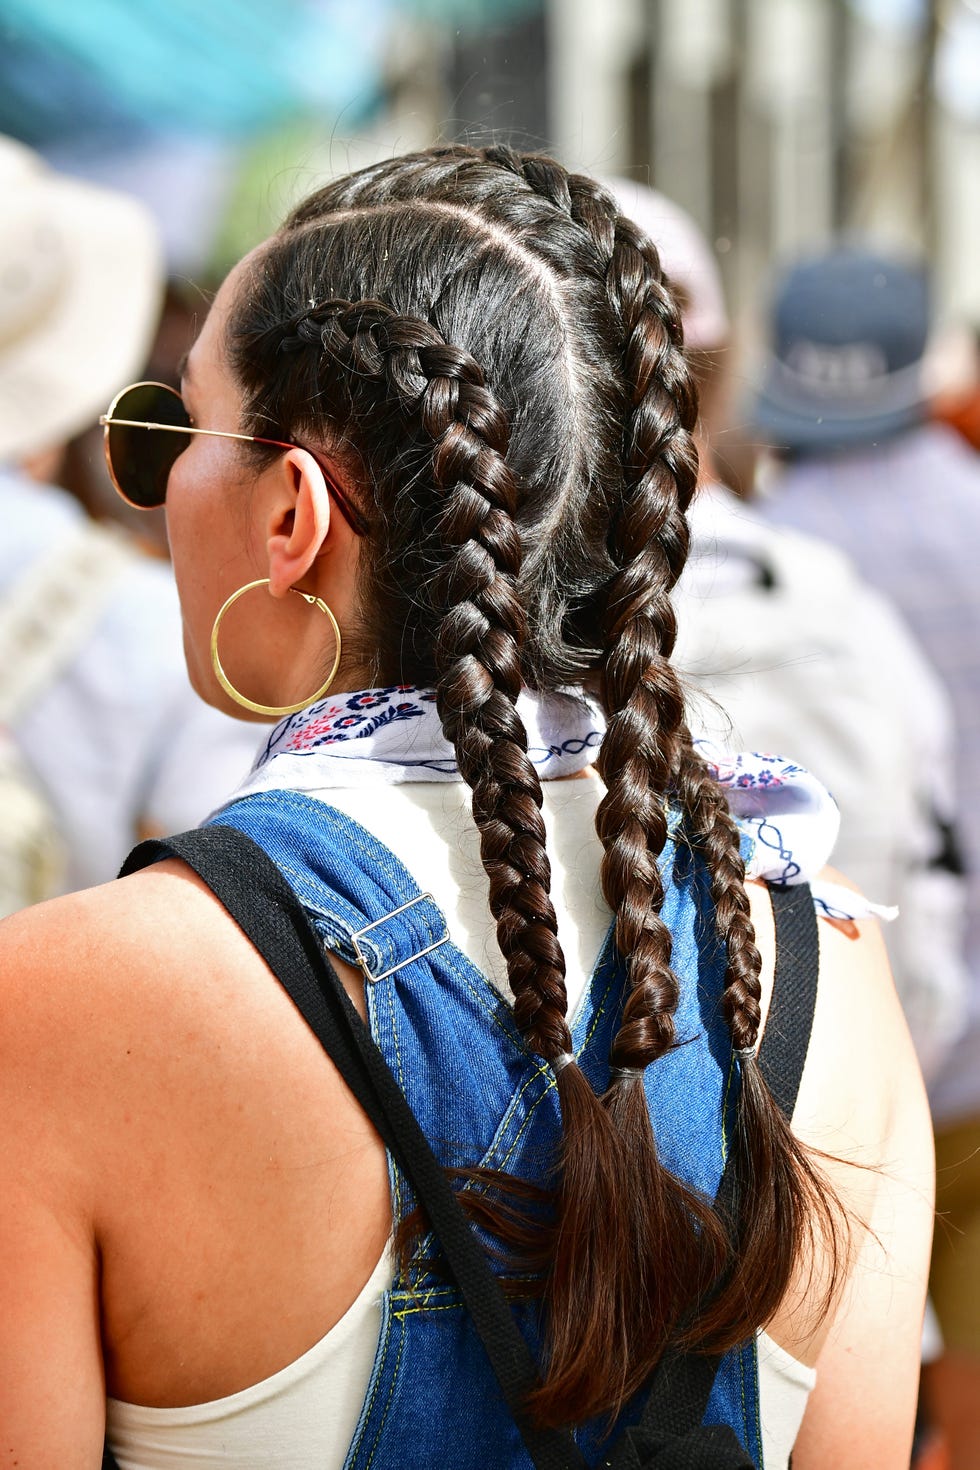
<point x="478" y="643"/>
<point x="482" y="627"/>
<point x="642" y="750"/>
<point x="785" y="1202"/>
<point x="648" y="538"/>
<point x="498" y="367"/>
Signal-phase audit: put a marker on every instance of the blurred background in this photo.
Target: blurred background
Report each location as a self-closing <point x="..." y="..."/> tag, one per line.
<point x="775" y="123"/>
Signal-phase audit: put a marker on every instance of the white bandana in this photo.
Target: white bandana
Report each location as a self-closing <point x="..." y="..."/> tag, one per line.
<point x="391" y="735"/>
<point x="386" y="736"/>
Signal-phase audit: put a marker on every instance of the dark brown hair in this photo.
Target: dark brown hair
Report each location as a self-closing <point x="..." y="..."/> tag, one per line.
<point x="489" y="348"/>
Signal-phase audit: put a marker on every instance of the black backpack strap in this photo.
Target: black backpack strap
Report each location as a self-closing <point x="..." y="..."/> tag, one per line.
<point x="786" y="1039"/>
<point x="682" y="1384"/>
<point x="258" y="898"/>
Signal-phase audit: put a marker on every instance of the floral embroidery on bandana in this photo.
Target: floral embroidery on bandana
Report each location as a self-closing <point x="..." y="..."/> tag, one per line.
<point x="787" y="819"/>
<point x="329" y="721"/>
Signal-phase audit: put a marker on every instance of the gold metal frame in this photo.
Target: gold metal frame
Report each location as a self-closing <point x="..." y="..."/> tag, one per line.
<point x="352" y="516"/>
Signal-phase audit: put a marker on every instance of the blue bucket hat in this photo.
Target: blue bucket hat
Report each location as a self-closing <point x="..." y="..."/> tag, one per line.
<point x="849" y="334"/>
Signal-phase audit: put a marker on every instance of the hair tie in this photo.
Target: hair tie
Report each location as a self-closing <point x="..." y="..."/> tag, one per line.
<point x="621" y="1073"/>
<point x="745" y="1053"/>
<point x="562" y="1061"/>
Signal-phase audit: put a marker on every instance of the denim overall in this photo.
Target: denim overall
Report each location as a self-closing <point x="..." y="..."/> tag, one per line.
<point x="482" y="1097"/>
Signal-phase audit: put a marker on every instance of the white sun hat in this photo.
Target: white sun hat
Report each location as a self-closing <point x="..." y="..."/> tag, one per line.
<point x="81" y="284"/>
<point x="685" y="255"/>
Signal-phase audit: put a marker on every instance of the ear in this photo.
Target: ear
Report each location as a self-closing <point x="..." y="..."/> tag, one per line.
<point x="299" y="521"/>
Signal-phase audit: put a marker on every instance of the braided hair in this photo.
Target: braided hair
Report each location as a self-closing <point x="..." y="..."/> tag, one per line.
<point x="494" y="356"/>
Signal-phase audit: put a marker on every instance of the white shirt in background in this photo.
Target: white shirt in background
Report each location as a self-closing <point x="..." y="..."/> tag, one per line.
<point x="118" y="740"/>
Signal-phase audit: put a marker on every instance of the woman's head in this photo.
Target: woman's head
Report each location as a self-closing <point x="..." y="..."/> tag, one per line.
<point x="488" y="357"/>
<point x="232" y="521"/>
<point x="438" y="321"/>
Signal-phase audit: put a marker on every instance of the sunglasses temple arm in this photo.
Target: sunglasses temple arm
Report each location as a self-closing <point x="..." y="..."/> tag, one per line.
<point x="352" y="516"/>
<point x="106" y="422"/>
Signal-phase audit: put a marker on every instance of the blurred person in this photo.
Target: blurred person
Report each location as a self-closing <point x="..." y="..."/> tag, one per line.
<point x="93" y="689"/>
<point x="402" y="467"/>
<point x="845" y="406"/>
<point x="84" y="472"/>
<point x="786" y="648"/>
<point x="696" y="279"/>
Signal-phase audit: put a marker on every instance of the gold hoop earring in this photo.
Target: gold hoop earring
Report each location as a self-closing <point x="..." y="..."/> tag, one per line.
<point x="273" y="711"/>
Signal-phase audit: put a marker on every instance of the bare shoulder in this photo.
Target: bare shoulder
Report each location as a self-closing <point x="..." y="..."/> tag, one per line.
<point x="862" y="1083"/>
<point x="172" y="1136"/>
<point x="90" y="948"/>
<point x="101" y="989"/>
<point x="863" y="1104"/>
<point x="862" y="1112"/>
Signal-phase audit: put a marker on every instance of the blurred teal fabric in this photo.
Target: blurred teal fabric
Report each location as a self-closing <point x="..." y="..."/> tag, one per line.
<point x="228" y="68"/>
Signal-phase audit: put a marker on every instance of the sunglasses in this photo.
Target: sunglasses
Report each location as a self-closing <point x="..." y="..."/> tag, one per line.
<point x="147" y="429"/>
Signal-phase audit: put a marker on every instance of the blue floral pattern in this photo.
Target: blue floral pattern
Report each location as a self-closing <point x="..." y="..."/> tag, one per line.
<point x="331" y="721"/>
<point x="787" y="820"/>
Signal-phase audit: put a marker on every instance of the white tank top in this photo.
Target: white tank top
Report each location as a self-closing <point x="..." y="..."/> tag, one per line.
<point x="304" y="1416"/>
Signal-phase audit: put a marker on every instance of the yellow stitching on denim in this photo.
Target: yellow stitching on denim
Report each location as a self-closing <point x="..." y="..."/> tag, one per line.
<point x="544" y="1072"/>
<point x="391" y="1390"/>
<point x="431" y="1291"/>
<point x="724" y="1111"/>
<point x="539" y="1070"/>
<point x="492" y="1010"/>
<point x="600" y="1012"/>
<point x="530" y="1114"/>
<point x="551" y="1082"/>
<point x="489" y="1002"/>
<point x="415" y="1293"/>
<point x="455" y="1306"/>
<point x="408" y="1311"/>
<point x="302" y="877"/>
<point x="741" y="1386"/>
<point x="512" y="1107"/>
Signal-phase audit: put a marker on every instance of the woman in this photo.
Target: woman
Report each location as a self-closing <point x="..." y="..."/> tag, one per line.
<point x="448" y="402"/>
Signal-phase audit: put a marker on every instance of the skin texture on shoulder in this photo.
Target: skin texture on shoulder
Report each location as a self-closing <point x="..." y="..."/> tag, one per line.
<point x="862" y="1108"/>
<point x="185" y="1176"/>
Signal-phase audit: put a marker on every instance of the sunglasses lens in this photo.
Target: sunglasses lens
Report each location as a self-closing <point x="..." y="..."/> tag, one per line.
<point x="141" y="458"/>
